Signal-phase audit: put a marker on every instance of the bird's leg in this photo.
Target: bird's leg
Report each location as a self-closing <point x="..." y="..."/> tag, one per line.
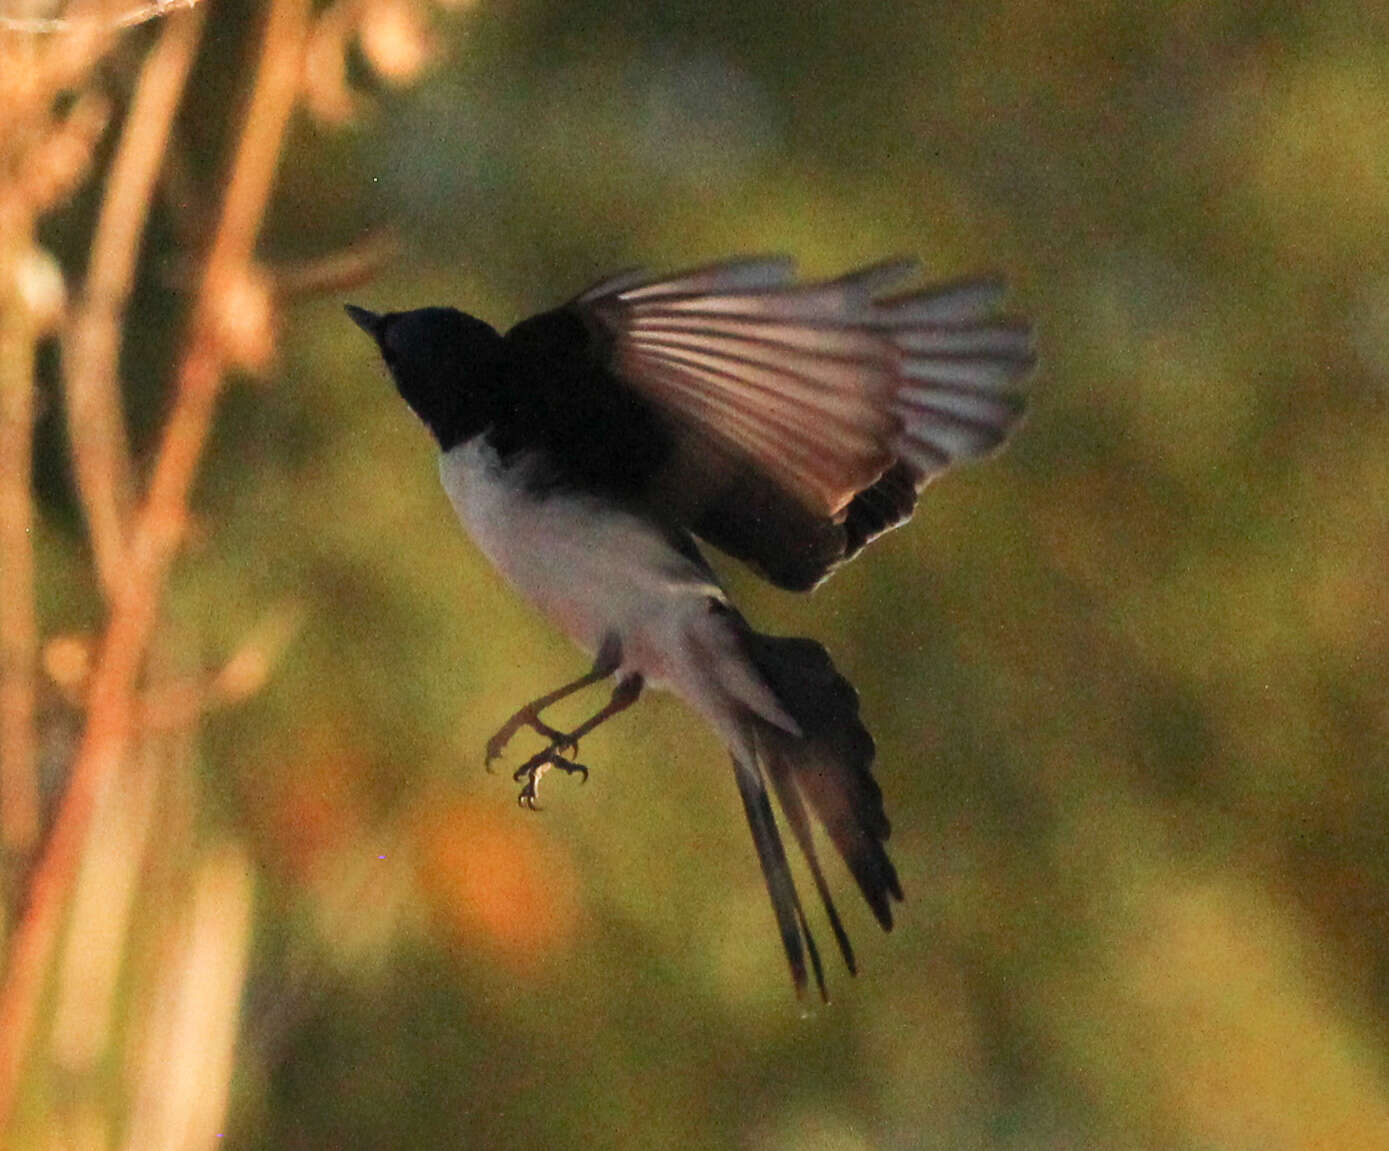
<point x="624" y="695"/>
<point x="529" y="716"/>
<point x="608" y="660"/>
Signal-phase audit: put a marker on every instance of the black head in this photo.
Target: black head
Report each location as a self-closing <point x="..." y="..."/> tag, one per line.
<point x="447" y="365"/>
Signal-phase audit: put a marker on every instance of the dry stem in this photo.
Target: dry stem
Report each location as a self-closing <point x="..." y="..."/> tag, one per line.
<point x="42" y="26"/>
<point x="19" y="637"/>
<point x="96" y="426"/>
<point x="350" y="267"/>
<point x="154" y="539"/>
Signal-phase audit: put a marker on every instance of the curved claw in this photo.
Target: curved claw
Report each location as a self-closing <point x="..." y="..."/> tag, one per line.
<point x="547" y="759"/>
<point x="570" y="767"/>
<point x="535" y="767"/>
<point x="495" y="746"/>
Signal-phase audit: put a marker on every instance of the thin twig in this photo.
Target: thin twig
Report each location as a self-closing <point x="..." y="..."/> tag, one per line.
<point x="45" y="26"/>
<point x="96" y="425"/>
<point x="349" y="267"/>
<point x="19" y="637"/>
<point x="177" y="703"/>
<point x="43" y="156"/>
<point x="154" y="539"/>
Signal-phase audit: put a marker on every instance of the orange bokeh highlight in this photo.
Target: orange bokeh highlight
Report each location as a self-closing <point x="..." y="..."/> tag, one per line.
<point x="491" y="875"/>
<point x="314" y="809"/>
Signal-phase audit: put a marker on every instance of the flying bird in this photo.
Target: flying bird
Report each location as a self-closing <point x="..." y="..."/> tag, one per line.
<point x="786" y="423"/>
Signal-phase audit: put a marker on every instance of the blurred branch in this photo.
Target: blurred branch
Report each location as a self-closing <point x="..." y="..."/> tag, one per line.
<point x="348" y="268"/>
<point x="36" y="169"/>
<point x="102" y="903"/>
<point x="392" y="36"/>
<point x="19" y="637"/>
<point x="190" y="1040"/>
<point x="96" y="425"/>
<point x="157" y="531"/>
<point x="42" y="26"/>
<point x="177" y="704"/>
<point x="180" y="704"/>
<point x="327" y="92"/>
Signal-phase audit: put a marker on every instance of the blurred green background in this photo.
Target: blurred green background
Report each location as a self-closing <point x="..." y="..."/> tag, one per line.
<point x="1127" y="678"/>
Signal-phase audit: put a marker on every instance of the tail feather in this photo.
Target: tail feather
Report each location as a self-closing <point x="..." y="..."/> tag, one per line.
<point x="827" y="768"/>
<point x="776" y="869"/>
<point x="789" y="797"/>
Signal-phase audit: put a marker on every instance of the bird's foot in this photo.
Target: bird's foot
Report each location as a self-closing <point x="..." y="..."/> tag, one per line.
<point x="535" y="767"/>
<point x="527" y="717"/>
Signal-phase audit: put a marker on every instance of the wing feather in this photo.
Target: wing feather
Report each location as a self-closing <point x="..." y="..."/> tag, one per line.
<point x="751" y="274"/>
<point x="953" y="303"/>
<point x="767" y="435"/>
<point x="776" y="399"/>
<point x="822" y="387"/>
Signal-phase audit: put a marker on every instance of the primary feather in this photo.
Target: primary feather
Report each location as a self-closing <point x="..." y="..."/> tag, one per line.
<point x="824" y="406"/>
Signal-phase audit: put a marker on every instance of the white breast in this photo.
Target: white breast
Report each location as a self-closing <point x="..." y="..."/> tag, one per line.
<point x="591" y="567"/>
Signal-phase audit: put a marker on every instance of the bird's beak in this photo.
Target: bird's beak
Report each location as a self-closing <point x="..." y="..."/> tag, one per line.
<point x="369" y="322"/>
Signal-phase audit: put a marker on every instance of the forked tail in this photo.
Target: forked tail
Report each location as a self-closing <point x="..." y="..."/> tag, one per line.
<point x="827" y="769"/>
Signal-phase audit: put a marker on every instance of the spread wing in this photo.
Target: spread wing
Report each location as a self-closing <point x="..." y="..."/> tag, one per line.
<point x="809" y="415"/>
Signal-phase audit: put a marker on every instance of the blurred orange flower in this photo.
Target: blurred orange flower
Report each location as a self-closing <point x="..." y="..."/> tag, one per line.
<point x="489" y="873"/>
<point x="314" y="808"/>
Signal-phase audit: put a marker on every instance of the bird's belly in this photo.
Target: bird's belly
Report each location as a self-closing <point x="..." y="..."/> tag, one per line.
<point x="592" y="568"/>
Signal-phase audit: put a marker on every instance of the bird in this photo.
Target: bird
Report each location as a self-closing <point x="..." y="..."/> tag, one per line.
<point x="591" y="449"/>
